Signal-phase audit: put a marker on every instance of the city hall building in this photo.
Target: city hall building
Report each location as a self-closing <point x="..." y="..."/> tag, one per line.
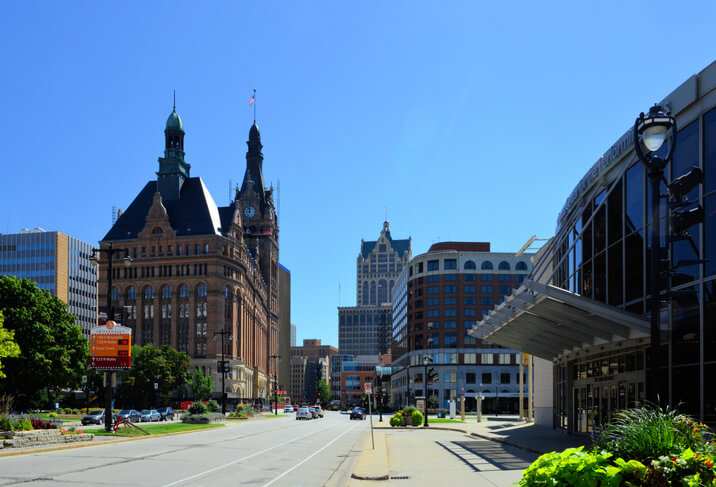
<point x="585" y="308"/>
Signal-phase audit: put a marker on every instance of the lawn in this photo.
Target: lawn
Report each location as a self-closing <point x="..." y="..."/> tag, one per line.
<point x="64" y="417"/>
<point x="156" y="429"/>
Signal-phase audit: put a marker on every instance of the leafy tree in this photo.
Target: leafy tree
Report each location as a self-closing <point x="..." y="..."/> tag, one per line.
<point x="433" y="401"/>
<point x="202" y="385"/>
<point x="163" y="365"/>
<point x="324" y="391"/>
<point x="54" y="351"/>
<point x="8" y="347"/>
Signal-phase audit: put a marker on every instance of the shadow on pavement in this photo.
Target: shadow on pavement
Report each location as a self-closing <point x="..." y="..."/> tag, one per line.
<point x="488" y="455"/>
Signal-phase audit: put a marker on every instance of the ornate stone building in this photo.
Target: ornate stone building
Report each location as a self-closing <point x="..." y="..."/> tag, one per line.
<point x="199" y="270"/>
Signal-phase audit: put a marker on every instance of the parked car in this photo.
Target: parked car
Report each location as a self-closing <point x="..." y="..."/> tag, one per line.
<point x="288" y="409"/>
<point x="304" y="413"/>
<point x="166" y="413"/>
<point x="319" y="411"/>
<point x="131" y="415"/>
<point x="93" y="417"/>
<point x="358" y="413"/>
<point x="150" y="415"/>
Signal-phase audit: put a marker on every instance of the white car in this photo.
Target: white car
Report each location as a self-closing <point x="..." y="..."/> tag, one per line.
<point x="288" y="409"/>
<point x="304" y="413"/>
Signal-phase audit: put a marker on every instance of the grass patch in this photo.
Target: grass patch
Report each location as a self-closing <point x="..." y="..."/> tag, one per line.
<point x="65" y="417"/>
<point x="444" y="420"/>
<point x="156" y="429"/>
<point x="271" y="416"/>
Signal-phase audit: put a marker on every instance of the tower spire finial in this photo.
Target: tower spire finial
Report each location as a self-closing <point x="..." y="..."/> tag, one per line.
<point x="175" y="99"/>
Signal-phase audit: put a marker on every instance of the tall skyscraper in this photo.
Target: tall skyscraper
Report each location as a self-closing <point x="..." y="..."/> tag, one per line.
<point x="365" y="329"/>
<point x="202" y="272"/>
<point x="58" y="263"/>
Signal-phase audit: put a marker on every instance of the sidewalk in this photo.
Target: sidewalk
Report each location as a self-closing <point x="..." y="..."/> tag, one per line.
<point x="374" y="464"/>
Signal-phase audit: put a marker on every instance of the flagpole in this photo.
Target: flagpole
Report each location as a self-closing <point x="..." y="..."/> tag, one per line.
<point x="254" y="105"/>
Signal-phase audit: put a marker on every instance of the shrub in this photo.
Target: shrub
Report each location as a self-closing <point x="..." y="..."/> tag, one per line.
<point x="396" y="420"/>
<point x="52" y="415"/>
<point x="649" y="432"/>
<point x="244" y="411"/>
<point x="213" y="406"/>
<point x="197" y="408"/>
<point x="417" y="418"/>
<point x="15" y="422"/>
<point x="205" y="418"/>
<point x="408" y="410"/>
<point x="576" y="467"/>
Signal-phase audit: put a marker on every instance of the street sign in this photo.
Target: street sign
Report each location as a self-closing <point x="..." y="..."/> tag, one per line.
<point x="368" y="388"/>
<point x="110" y="346"/>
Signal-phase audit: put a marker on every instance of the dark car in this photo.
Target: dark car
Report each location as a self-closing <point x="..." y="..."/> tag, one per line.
<point x="93" y="417"/>
<point x="131" y="415"/>
<point x="166" y="413"/>
<point x="358" y="413"/>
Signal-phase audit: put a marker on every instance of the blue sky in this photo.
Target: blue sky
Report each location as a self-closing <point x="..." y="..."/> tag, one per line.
<point x="469" y="121"/>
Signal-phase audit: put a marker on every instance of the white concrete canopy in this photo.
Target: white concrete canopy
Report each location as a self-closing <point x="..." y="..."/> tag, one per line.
<point x="547" y="321"/>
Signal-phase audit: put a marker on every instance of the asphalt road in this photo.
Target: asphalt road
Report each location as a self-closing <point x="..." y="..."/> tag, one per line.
<point x="271" y="452"/>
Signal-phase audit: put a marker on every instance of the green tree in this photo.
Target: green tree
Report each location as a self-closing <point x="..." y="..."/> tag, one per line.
<point x="54" y="351"/>
<point x="202" y="385"/>
<point x="433" y="401"/>
<point x="163" y="365"/>
<point x="324" y="391"/>
<point x="8" y="347"/>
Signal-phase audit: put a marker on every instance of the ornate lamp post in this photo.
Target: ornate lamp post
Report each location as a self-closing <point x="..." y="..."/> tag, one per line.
<point x="652" y="130"/>
<point x="109" y="390"/>
<point x="275" y="386"/>
<point x="427" y="360"/>
<point x="379" y="373"/>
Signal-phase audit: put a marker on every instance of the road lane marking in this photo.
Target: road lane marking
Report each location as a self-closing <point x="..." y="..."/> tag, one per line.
<point x="308" y="458"/>
<point x="233" y="462"/>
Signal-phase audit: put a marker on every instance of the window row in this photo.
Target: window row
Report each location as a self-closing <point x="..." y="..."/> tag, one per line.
<point x="165" y="293"/>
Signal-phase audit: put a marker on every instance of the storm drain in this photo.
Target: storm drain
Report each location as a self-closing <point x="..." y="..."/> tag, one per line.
<point x="399" y="477"/>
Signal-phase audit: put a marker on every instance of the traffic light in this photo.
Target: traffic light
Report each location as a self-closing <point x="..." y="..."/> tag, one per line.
<point x="432" y="375"/>
<point x="681" y="219"/>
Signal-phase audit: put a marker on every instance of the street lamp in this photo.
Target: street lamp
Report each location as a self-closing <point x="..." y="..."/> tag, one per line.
<point x="652" y="130"/>
<point x="223" y="367"/>
<point x="275" y="386"/>
<point x="427" y="360"/>
<point x="379" y="373"/>
<point x="110" y="251"/>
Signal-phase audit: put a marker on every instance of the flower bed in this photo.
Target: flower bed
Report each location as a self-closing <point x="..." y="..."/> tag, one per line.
<point x="408" y="416"/>
<point x="644" y="446"/>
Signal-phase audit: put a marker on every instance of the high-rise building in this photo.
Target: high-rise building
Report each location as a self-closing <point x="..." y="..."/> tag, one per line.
<point x="58" y="263"/>
<point x="285" y="328"/>
<point x="298" y="378"/>
<point x="437" y="300"/>
<point x="293" y="334"/>
<point x="201" y="270"/>
<point x="365" y="329"/>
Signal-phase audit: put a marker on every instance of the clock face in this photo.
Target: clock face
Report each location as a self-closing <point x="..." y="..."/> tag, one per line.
<point x="249" y="212"/>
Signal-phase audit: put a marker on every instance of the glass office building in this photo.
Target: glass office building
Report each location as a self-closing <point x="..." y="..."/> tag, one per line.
<point x="57" y="263"/>
<point x="585" y="307"/>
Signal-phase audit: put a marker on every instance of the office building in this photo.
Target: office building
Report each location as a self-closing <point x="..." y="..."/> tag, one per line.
<point x="57" y="263"/>
<point x="437" y="300"/>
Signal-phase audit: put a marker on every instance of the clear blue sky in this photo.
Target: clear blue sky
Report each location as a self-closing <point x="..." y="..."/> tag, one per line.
<point x="470" y="121"/>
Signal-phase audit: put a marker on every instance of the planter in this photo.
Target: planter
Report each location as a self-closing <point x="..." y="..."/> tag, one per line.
<point x="24" y="439"/>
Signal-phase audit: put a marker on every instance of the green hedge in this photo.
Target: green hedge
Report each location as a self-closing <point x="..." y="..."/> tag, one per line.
<point x="203" y="418"/>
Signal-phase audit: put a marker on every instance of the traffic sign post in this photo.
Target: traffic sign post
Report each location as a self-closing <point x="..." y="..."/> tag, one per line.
<point x="368" y="389"/>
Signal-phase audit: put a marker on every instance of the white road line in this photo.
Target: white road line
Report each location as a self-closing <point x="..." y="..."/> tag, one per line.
<point x="177" y="482"/>
<point x="308" y="458"/>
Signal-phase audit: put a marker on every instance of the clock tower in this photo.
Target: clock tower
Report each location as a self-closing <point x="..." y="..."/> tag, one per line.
<point x="261" y="229"/>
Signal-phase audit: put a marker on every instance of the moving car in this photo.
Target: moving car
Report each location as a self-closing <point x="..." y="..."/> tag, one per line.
<point x="319" y="411"/>
<point x="166" y="413"/>
<point x="304" y="413"/>
<point x="150" y="415"/>
<point x="131" y="415"/>
<point x="288" y="409"/>
<point x="358" y="413"/>
<point x="93" y="417"/>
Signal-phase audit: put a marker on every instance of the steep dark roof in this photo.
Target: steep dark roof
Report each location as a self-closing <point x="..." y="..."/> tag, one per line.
<point x="194" y="213"/>
<point x="400" y="246"/>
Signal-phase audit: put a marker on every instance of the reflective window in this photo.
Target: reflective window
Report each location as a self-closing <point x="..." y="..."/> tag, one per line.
<point x="686" y="155"/>
<point x="504" y="266"/>
<point x="685" y="326"/>
<point x="614" y="213"/>
<point x="521" y="266"/>
<point x="469" y="265"/>
<point x="710" y="151"/>
<point x="450" y="264"/>
<point x="433" y="265"/>
<point x="710" y="324"/>
<point x="710" y="236"/>
<point x="486" y="266"/>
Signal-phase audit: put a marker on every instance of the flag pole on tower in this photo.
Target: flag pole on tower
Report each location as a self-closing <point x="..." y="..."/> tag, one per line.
<point x="252" y="101"/>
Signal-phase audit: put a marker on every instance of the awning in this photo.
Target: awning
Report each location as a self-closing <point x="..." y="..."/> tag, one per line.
<point x="548" y="322"/>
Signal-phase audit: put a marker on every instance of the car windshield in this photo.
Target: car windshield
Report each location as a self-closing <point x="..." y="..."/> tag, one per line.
<point x="146" y="411"/>
<point x="124" y="411"/>
<point x="96" y="412"/>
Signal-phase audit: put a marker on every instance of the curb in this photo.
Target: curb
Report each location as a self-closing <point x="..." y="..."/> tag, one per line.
<point x="372" y="463"/>
<point x="68" y="446"/>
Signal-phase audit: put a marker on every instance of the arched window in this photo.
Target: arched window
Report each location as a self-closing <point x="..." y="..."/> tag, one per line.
<point x="487" y="266"/>
<point x="382" y="292"/>
<point x="227" y="292"/>
<point x="183" y="291"/>
<point x="166" y="292"/>
<point x="504" y="266"/>
<point x="115" y="294"/>
<point x="201" y="290"/>
<point x="521" y="266"/>
<point x="157" y="230"/>
<point x="149" y="292"/>
<point x="131" y="293"/>
<point x="469" y="265"/>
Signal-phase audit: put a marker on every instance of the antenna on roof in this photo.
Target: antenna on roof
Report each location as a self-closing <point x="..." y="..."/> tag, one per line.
<point x="114" y="215"/>
<point x="175" y="99"/>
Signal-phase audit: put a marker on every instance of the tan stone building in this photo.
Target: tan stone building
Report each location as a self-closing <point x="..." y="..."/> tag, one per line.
<point x="200" y="271"/>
